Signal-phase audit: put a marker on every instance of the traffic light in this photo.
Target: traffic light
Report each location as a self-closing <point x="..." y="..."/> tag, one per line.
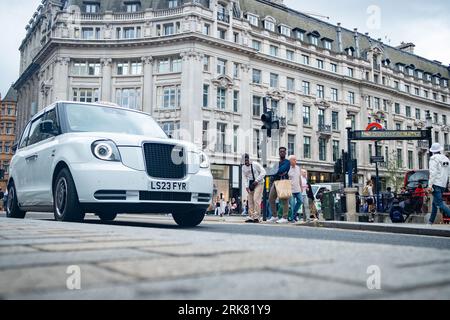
<point x="338" y="167"/>
<point x="268" y="119"/>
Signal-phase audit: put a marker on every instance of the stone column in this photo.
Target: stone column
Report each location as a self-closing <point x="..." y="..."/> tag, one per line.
<point x="61" y="78"/>
<point x="106" y="80"/>
<point x="147" y="90"/>
<point x="352" y="215"/>
<point x="245" y="108"/>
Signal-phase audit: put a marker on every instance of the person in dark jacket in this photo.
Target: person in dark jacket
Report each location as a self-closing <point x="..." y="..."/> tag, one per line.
<point x="397" y="212"/>
<point x="282" y="174"/>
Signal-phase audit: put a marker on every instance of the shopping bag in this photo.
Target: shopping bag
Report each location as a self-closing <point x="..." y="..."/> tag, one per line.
<point x="284" y="189"/>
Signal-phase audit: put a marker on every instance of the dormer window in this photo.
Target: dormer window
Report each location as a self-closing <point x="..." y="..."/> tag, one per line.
<point x="411" y="72"/>
<point x="91" y="7"/>
<point x="299" y="34"/>
<point x="285" y="31"/>
<point x="327" y="43"/>
<point x="386" y="62"/>
<point x="173" y="3"/>
<point x="350" y="51"/>
<point x="437" y="81"/>
<point x="269" y="24"/>
<point x="419" y="74"/>
<point x="445" y="82"/>
<point x="253" y="20"/>
<point x="133" y="7"/>
<point x="401" y="67"/>
<point x="428" y="77"/>
<point x="314" y="38"/>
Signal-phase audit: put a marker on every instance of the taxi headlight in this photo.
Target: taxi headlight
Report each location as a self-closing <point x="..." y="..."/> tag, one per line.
<point x="105" y="150"/>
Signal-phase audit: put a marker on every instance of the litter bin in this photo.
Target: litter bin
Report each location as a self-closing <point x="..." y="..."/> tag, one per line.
<point x="328" y="205"/>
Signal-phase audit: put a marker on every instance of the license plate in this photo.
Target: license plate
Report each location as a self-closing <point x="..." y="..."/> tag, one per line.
<point x="167" y="186"/>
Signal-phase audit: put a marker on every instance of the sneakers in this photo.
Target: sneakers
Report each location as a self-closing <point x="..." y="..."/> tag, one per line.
<point x="272" y="220"/>
<point x="252" y="221"/>
<point x="282" y="221"/>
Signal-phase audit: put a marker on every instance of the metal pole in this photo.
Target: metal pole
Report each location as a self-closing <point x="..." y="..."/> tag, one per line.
<point x="377" y="178"/>
<point x="350" y="162"/>
<point x="264" y="162"/>
<point x="343" y="168"/>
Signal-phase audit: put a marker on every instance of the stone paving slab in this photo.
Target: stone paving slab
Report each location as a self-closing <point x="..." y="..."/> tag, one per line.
<point x="225" y="286"/>
<point x="167" y="268"/>
<point x="101" y="245"/>
<point x="40" y="279"/>
<point x="72" y="257"/>
<point x="16" y="250"/>
<point x="32" y="241"/>
<point x="198" y="250"/>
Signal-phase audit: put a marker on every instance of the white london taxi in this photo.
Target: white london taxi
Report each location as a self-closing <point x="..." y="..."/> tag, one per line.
<point x="77" y="158"/>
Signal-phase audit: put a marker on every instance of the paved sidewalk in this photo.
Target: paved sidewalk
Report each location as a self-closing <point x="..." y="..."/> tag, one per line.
<point x="166" y="262"/>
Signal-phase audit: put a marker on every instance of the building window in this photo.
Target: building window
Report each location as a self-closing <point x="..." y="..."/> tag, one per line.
<point x="269" y="25"/>
<point x="350" y="72"/>
<point x="221" y="33"/>
<point x="290" y="55"/>
<point x="169" y="97"/>
<point x="205" y="96"/>
<point x="205" y="138"/>
<point x="306" y="115"/>
<point x="235" y="138"/>
<point x="425" y="94"/>
<point x="129" y="68"/>
<point x="444" y="119"/>
<point x="307" y="147"/>
<point x="322" y="149"/>
<point x="334" y="67"/>
<point x="290" y="112"/>
<point x="253" y="20"/>
<point x="377" y="103"/>
<point x="354" y="151"/>
<point x="206" y="29"/>
<point x="336" y="150"/>
<point x="86" y="69"/>
<point x="314" y="40"/>
<point x="320" y="91"/>
<point x="85" y="95"/>
<point x="321" y="118"/>
<point x="351" y="97"/>
<point x="171" y="128"/>
<point x="236" y="67"/>
<point x="435" y="118"/>
<point x="421" y="166"/>
<point x="418" y="114"/>
<point x="256" y="45"/>
<point x="291" y="144"/>
<point x="290" y="84"/>
<point x="306" y="88"/>
<point x="274" y="51"/>
<point x="91" y="7"/>
<point x="275" y="144"/>
<point x="129" y="98"/>
<point x="436" y="137"/>
<point x="236" y="37"/>
<point x="320" y="64"/>
<point x="169" y="65"/>
<point x="128" y="33"/>
<point x="327" y="44"/>
<point x="300" y="35"/>
<point x="221" y="137"/>
<point x="335" y="120"/>
<point x="397" y="108"/>
<point x="334" y="94"/>
<point x="206" y="60"/>
<point x="274" y="80"/>
<point x="256" y="76"/>
<point x="285" y="31"/>
<point x="398" y="126"/>
<point x="257" y="106"/>
<point x="408" y="111"/>
<point x="236" y="101"/>
<point x="221" y="67"/>
<point x="133" y="7"/>
<point x="305" y="59"/>
<point x="399" y="158"/>
<point x="173" y="3"/>
<point x="353" y="121"/>
<point x="90" y="33"/>
<point x="221" y="98"/>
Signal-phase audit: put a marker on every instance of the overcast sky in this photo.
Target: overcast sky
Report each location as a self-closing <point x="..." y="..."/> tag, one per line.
<point x="425" y="23"/>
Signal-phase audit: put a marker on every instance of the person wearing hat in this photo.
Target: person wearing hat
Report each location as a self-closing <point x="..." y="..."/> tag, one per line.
<point x="253" y="174"/>
<point x="439" y="177"/>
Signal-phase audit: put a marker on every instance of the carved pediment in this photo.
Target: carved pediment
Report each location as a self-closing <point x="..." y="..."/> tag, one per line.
<point x="224" y="82"/>
<point x="420" y="124"/>
<point x="322" y="104"/>
<point x="275" y="94"/>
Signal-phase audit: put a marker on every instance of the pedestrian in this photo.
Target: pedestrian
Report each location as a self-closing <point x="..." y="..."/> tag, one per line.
<point x="253" y="175"/>
<point x="217" y="209"/>
<point x="223" y="206"/>
<point x="439" y="178"/>
<point x="418" y="198"/>
<point x="282" y="174"/>
<point x="389" y="199"/>
<point x="2" y="195"/>
<point x="309" y="204"/>
<point x="296" y="200"/>
<point x="368" y="195"/>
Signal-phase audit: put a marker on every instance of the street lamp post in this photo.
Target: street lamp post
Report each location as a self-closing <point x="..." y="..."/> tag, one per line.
<point x="348" y="125"/>
<point x="429" y="124"/>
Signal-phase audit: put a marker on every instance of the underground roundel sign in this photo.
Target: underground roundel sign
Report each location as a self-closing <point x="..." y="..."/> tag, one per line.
<point x="374" y="126"/>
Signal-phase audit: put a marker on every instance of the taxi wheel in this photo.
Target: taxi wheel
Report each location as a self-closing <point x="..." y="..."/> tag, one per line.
<point x="12" y="206"/>
<point x="66" y="206"/>
<point x="189" y="219"/>
<point x="107" y="216"/>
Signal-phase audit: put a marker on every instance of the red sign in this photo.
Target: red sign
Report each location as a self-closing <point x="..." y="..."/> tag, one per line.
<point x="374" y="126"/>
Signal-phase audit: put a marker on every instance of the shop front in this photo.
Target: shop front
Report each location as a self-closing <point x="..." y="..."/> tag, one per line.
<point x="227" y="182"/>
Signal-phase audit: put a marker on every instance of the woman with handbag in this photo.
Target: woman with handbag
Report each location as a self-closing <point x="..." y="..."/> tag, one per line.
<point x="253" y="174"/>
<point x="281" y="188"/>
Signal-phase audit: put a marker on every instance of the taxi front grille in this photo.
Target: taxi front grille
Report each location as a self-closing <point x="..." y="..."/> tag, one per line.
<point x="165" y="161"/>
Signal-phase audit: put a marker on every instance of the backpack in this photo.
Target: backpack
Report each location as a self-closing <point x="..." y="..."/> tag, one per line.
<point x="397" y="216"/>
<point x="365" y="192"/>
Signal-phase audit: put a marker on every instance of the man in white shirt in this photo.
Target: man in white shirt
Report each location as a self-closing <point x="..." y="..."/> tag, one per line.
<point x="253" y="175"/>
<point x="439" y="177"/>
<point x="295" y="177"/>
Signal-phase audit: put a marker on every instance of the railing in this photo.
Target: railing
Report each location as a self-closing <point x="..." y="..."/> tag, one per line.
<point x="89" y="16"/>
<point x="168" y="12"/>
<point x="225" y="17"/>
<point x="129" y="16"/>
<point x="325" y="129"/>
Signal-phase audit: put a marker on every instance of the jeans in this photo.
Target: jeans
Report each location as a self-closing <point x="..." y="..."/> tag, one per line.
<point x="438" y="202"/>
<point x="295" y="203"/>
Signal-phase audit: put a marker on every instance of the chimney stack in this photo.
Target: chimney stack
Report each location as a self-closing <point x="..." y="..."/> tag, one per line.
<point x="357" y="42"/>
<point x="339" y="37"/>
<point x="407" y="47"/>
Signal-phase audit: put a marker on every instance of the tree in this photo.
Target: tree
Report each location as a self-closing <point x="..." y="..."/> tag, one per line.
<point x="395" y="172"/>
